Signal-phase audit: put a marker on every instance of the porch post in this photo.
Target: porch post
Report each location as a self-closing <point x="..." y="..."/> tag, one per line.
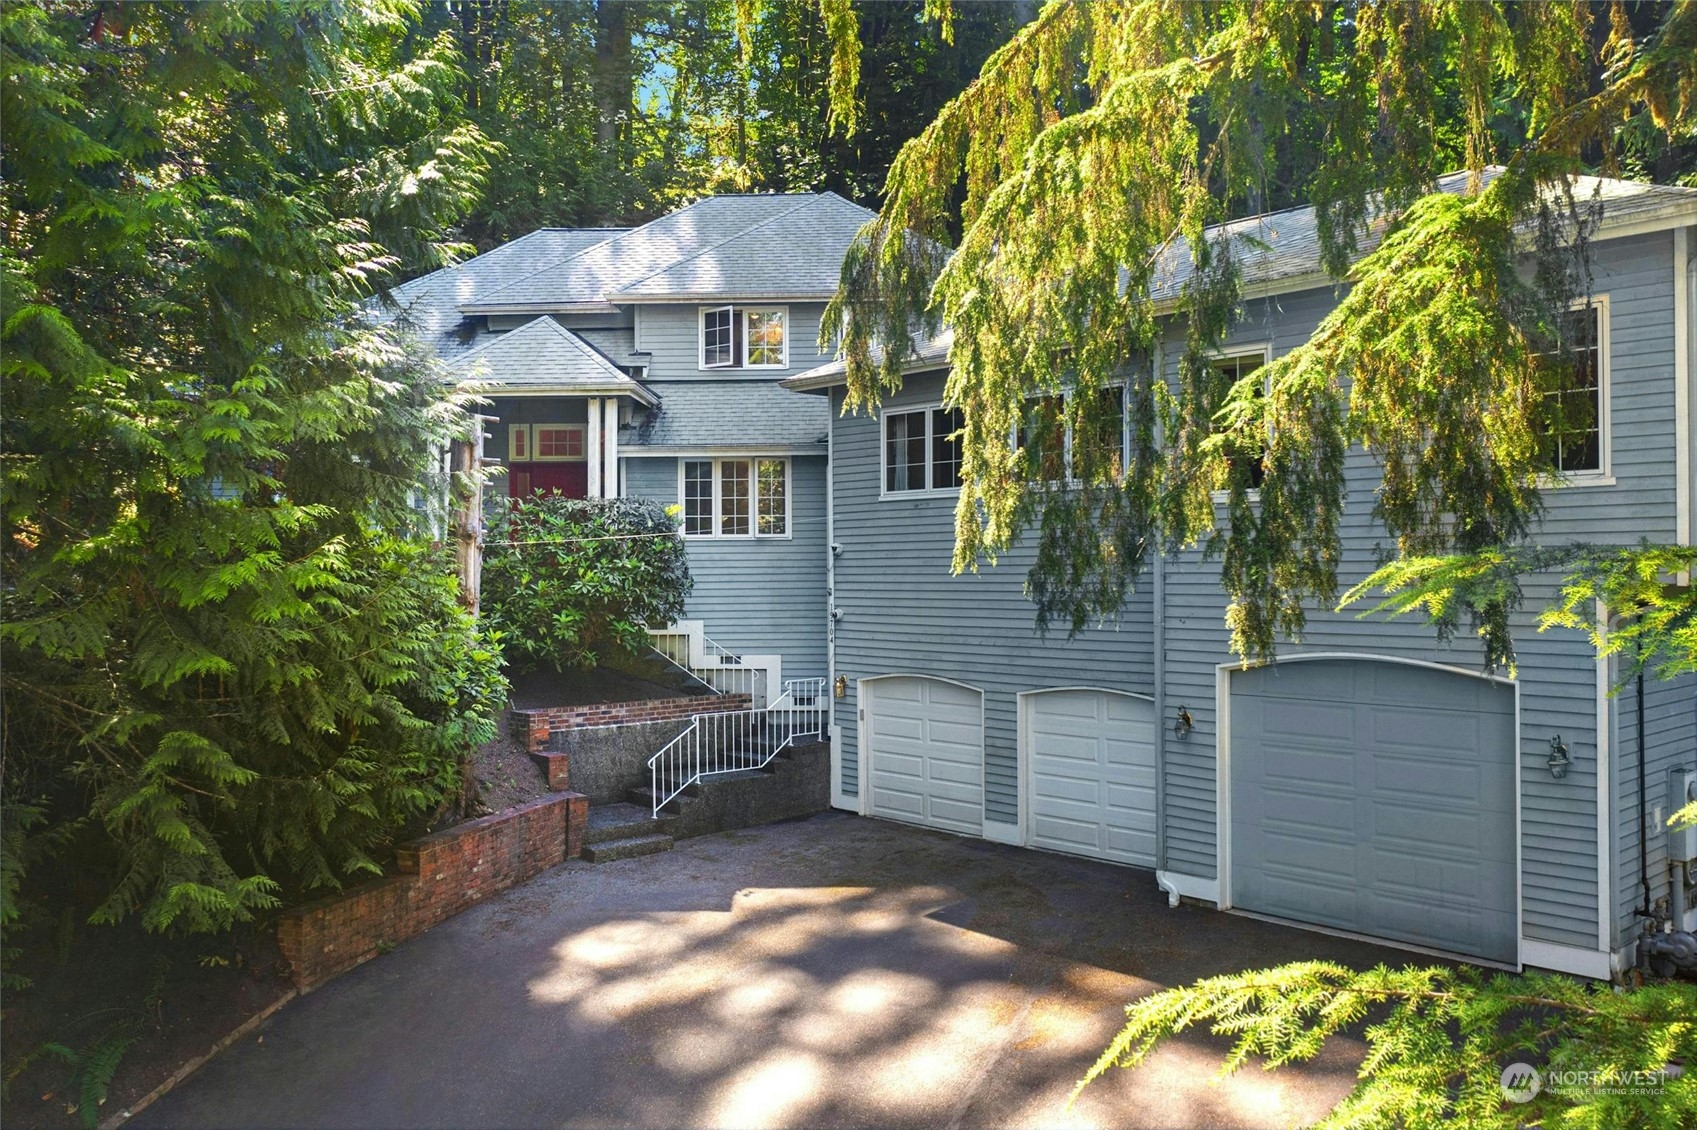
<point x="594" y="447"/>
<point x="610" y="431"/>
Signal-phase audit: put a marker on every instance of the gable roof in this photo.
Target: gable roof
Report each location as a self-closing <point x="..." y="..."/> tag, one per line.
<point x="544" y="356"/>
<point x="736" y="414"/>
<point x="593" y="279"/>
<point x="764" y="261"/>
<point x="430" y="304"/>
<point x="1279" y="252"/>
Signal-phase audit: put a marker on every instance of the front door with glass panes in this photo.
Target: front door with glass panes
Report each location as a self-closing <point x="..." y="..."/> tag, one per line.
<point x="547" y="458"/>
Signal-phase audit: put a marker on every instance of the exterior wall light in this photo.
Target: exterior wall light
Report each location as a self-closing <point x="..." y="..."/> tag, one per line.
<point x="840" y="687"/>
<point x="1559" y="760"/>
<point x="1184" y="723"/>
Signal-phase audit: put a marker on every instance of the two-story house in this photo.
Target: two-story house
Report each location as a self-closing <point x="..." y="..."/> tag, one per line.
<point x="646" y="362"/>
<point x="1371" y="782"/>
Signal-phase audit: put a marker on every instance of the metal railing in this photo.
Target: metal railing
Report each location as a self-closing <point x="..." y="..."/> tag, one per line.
<point x="734" y="741"/>
<point x="722" y="672"/>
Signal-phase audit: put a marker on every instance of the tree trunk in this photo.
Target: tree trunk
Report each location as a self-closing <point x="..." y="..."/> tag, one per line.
<point x="614" y="85"/>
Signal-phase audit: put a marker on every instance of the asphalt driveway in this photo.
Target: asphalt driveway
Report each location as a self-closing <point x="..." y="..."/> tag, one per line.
<point x="833" y="971"/>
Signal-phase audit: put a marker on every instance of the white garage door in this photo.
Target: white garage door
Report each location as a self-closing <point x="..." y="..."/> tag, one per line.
<point x="1091" y="774"/>
<point x="925" y="746"/>
<point x="1378" y="798"/>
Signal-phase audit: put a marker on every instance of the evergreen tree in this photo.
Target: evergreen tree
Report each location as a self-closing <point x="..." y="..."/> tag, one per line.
<point x="234" y="661"/>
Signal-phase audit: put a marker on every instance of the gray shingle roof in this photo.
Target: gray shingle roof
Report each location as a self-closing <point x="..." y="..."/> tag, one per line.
<point x="734" y="414"/>
<point x="931" y="351"/>
<point x="1280" y="246"/>
<point x="589" y="279"/>
<point x="543" y="355"/>
<point x="1284" y="247"/>
<point x="797" y="254"/>
<point x="430" y="304"/>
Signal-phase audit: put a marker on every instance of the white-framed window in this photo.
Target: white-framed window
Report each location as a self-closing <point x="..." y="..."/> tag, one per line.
<point x="921" y="449"/>
<point x="745" y="337"/>
<point x="546" y="443"/>
<point x="1055" y="451"/>
<point x="1576" y="397"/>
<point x="735" y="497"/>
<point x="1233" y="367"/>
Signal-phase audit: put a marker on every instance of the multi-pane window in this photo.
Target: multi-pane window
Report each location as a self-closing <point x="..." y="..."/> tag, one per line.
<point x="921" y="450"/>
<point x="772" y="507"/>
<point x="733" y="497"/>
<point x="545" y="443"/>
<point x="1247" y="456"/>
<point x="718" y="338"/>
<point x="698" y="497"/>
<point x="1055" y="451"/>
<point x="736" y="497"/>
<point x="1573" y="395"/>
<point x="766" y="338"/>
<point x="736" y="337"/>
<point x="559" y="441"/>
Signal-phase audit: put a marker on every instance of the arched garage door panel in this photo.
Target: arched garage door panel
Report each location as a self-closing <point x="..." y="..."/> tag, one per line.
<point x="926" y="752"/>
<point x="1378" y="798"/>
<point x="1092" y="774"/>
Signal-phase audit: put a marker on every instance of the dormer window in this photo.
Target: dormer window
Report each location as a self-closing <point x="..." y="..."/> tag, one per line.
<point x="744" y="337"/>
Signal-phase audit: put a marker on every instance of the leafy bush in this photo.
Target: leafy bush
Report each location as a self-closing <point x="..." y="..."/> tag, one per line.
<point x="567" y="580"/>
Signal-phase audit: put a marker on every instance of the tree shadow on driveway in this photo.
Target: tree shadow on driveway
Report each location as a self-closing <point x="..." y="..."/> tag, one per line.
<point x="834" y="971"/>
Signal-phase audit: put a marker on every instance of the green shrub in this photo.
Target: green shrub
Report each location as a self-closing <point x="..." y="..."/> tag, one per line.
<point x="568" y="581"/>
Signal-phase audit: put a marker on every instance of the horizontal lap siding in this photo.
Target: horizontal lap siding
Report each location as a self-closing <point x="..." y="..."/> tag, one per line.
<point x="761" y="595"/>
<point x="1670" y="739"/>
<point x="1557" y="670"/>
<point x="671" y="336"/>
<point x="904" y="613"/>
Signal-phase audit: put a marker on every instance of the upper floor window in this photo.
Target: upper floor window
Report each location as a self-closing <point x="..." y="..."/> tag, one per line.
<point x="738" y="337"/>
<point x="736" y="497"/>
<point x="922" y="450"/>
<point x="1249" y="456"/>
<point x="1575" y="407"/>
<point x="1056" y="451"/>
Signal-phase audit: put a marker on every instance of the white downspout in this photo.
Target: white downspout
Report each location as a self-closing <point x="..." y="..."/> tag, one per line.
<point x="1159" y="618"/>
<point x="1683" y="393"/>
<point x="834" y="736"/>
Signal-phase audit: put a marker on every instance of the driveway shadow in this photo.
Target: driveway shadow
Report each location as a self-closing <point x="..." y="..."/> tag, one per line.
<point x="834" y="971"/>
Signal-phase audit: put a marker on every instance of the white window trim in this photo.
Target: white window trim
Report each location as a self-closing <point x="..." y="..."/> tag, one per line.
<point x="1264" y="350"/>
<point x="1072" y="480"/>
<point x="1603" y="476"/>
<point x="753" y="462"/>
<point x="739" y="315"/>
<point x="928" y="491"/>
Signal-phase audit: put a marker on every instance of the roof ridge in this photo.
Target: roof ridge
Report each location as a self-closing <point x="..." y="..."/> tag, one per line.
<point x="508" y="285"/>
<point x="811" y="199"/>
<point x="559" y="331"/>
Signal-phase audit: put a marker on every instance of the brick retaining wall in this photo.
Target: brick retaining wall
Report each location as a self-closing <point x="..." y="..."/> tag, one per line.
<point x="440" y="875"/>
<point x="533" y="727"/>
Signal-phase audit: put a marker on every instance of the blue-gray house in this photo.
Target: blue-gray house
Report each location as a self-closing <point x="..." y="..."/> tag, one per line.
<point x="1371" y="782"/>
<point x="646" y="362"/>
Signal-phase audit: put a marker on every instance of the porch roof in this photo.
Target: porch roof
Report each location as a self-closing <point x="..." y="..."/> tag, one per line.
<point x="730" y="415"/>
<point x="544" y="356"/>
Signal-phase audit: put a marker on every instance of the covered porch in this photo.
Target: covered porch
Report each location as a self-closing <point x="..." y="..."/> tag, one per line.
<point x="556" y="408"/>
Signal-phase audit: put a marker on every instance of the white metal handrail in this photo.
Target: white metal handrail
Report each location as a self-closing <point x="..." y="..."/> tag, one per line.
<point x="721" y="670"/>
<point x="733" y="741"/>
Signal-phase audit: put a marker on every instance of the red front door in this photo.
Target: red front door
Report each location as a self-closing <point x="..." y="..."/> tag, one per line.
<point x="569" y="479"/>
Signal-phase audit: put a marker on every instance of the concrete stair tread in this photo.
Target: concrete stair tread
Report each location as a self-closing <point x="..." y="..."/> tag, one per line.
<point x="629" y="848"/>
<point x="609" y="822"/>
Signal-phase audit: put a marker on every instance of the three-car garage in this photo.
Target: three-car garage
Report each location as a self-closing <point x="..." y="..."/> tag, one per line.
<point x="1354" y="793"/>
